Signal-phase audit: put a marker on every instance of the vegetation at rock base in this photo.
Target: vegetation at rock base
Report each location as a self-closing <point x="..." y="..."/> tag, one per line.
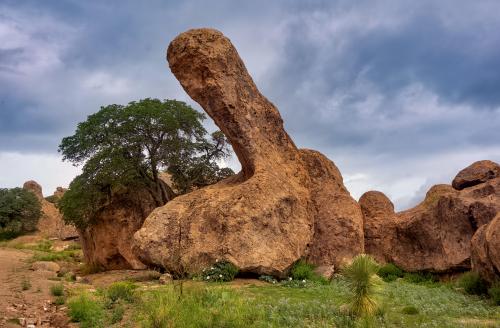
<point x="472" y="283"/>
<point x="20" y="211"/>
<point x="86" y="310"/>
<point x="129" y="146"/>
<point x="494" y="292"/>
<point x="57" y="290"/>
<point x="220" y="271"/>
<point x="390" y="272"/>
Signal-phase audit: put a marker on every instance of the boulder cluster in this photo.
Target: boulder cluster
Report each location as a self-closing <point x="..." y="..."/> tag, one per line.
<point x="287" y="203"/>
<point x="436" y="234"/>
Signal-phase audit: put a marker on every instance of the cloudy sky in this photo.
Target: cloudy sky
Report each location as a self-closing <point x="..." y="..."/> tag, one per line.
<point x="399" y="94"/>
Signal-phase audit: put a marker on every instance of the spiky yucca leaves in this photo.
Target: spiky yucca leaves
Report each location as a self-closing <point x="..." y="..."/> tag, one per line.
<point x="361" y="276"/>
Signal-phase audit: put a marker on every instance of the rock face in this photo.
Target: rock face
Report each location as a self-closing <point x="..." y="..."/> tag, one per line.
<point x="266" y="217"/>
<point x="106" y="243"/>
<point x="51" y="224"/>
<point x="436" y="234"/>
<point x="485" y="250"/>
<point x="478" y="172"/>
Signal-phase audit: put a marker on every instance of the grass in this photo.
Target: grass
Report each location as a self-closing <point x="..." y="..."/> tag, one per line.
<point x="57" y="290"/>
<point x="87" y="311"/>
<point x="121" y="291"/>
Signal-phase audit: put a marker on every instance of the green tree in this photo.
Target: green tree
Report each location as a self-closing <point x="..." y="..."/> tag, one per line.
<point x="129" y="146"/>
<point x="20" y="211"/>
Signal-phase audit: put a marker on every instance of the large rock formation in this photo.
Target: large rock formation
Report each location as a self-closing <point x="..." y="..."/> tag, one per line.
<point x="436" y="234"/>
<point x="485" y="250"/>
<point x="277" y="209"/>
<point x="107" y="242"/>
<point x="51" y="224"/>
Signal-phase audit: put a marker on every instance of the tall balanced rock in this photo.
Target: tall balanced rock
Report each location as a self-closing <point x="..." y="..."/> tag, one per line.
<point x="269" y="215"/>
<point x="51" y="224"/>
<point x="436" y="234"/>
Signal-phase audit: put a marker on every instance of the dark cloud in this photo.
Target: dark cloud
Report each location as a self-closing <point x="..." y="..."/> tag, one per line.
<point x="390" y="89"/>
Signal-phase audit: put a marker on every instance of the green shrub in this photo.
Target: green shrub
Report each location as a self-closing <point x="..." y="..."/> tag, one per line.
<point x="121" y="291"/>
<point x="221" y="271"/>
<point x="472" y="283"/>
<point x="117" y="314"/>
<point x="390" y="272"/>
<point x="410" y="310"/>
<point x="87" y="311"/>
<point x="302" y="270"/>
<point x="60" y="300"/>
<point x="57" y="290"/>
<point x="494" y="292"/>
<point x="25" y="284"/>
<point x="363" y="282"/>
<point x="420" y="277"/>
<point x="269" y="279"/>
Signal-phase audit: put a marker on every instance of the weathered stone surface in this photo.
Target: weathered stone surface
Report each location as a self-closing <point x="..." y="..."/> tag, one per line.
<point x="478" y="172"/>
<point x="107" y="242"/>
<point x="485" y="250"/>
<point x="337" y="216"/>
<point x="435" y="235"/>
<point x="51" y="224"/>
<point x="266" y="217"/>
<point x="379" y="225"/>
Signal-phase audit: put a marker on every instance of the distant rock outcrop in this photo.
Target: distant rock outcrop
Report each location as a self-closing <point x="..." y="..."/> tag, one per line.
<point x="51" y="224"/>
<point x="436" y="234"/>
<point x="285" y="203"/>
<point x="107" y="242"/>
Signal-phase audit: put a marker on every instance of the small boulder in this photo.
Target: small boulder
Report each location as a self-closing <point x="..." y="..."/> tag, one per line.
<point x="478" y="172"/>
<point x="46" y="266"/>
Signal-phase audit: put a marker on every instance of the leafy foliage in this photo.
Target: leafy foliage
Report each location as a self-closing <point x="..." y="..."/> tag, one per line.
<point x="221" y="271"/>
<point x="20" y="211"/>
<point x="390" y="272"/>
<point x="362" y="279"/>
<point x="472" y="283"/>
<point x="129" y="146"/>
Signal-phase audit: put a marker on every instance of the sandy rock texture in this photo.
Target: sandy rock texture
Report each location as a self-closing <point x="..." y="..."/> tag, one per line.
<point x="51" y="224"/>
<point x="107" y="242"/>
<point x="485" y="249"/>
<point x="436" y="234"/>
<point x="266" y="217"/>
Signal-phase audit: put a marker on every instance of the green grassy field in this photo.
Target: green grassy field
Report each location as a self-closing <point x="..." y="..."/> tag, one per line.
<point x="403" y="304"/>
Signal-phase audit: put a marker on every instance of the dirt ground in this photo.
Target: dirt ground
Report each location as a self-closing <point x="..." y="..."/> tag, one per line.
<point x="25" y="298"/>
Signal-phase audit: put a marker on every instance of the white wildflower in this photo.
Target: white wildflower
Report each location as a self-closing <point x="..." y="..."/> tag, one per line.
<point x="304" y="281"/>
<point x="220" y="276"/>
<point x="208" y="277"/>
<point x="290" y="278"/>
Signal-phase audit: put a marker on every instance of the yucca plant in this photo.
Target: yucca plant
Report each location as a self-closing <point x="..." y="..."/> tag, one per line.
<point x="361" y="277"/>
